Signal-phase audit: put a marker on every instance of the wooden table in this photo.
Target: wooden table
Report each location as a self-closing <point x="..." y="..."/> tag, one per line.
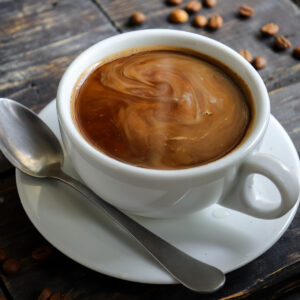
<point x="38" y="40"/>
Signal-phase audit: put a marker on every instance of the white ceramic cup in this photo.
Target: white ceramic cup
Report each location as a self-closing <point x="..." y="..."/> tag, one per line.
<point x="170" y="193"/>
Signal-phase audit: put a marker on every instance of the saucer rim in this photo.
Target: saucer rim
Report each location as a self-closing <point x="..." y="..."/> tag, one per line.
<point x="290" y="216"/>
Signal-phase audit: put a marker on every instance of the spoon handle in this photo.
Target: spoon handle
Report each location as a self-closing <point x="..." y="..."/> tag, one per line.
<point x="192" y="273"/>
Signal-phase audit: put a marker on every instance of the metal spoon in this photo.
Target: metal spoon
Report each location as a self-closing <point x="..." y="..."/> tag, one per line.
<point x="29" y="144"/>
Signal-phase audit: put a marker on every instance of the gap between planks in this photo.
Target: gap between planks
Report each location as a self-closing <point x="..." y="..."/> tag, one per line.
<point x="105" y="13"/>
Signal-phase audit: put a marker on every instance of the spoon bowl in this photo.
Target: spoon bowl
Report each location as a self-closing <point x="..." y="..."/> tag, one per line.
<point x="27" y="142"/>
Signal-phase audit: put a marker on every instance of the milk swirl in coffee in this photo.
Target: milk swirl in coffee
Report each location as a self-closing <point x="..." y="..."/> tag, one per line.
<point x="163" y="109"/>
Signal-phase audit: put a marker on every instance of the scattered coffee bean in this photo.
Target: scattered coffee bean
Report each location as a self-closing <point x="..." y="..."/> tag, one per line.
<point x="210" y="3"/>
<point x="269" y="29"/>
<point x="246" y="54"/>
<point x="2" y="255"/>
<point x="11" y="266"/>
<point x="58" y="296"/>
<point x="193" y="6"/>
<point x="42" y="253"/>
<point x="246" y="11"/>
<point x="55" y="3"/>
<point x="200" y="21"/>
<point x="259" y="62"/>
<point x="137" y="18"/>
<point x="281" y="43"/>
<point x="296" y="52"/>
<point x="215" y="22"/>
<point x="45" y="294"/>
<point x="3" y="298"/>
<point x="179" y="16"/>
<point x="174" y="2"/>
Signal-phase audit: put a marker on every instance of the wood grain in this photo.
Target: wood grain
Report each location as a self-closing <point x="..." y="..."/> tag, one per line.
<point x="38" y="41"/>
<point x="285" y="106"/>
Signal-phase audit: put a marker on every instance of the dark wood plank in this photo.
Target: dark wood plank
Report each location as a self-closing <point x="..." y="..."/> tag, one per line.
<point x="237" y="33"/>
<point x="38" y="41"/>
<point x="4" y="164"/>
<point x="2" y="293"/>
<point x="285" y="105"/>
<point x="274" y="273"/>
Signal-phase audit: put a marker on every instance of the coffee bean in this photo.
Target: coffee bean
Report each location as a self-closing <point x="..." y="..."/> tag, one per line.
<point x="179" y="16"/>
<point x="2" y="255"/>
<point x="42" y="253"/>
<point x="259" y="62"/>
<point x="296" y="52"/>
<point x="174" y="2"/>
<point x="200" y="21"/>
<point x="11" y="266"/>
<point x="246" y="54"/>
<point x="193" y="6"/>
<point x="45" y="294"/>
<point x="281" y="43"/>
<point x="137" y="18"/>
<point x="210" y="3"/>
<point x="269" y="29"/>
<point x="246" y="11"/>
<point x="58" y="296"/>
<point x="215" y="22"/>
<point x="2" y="298"/>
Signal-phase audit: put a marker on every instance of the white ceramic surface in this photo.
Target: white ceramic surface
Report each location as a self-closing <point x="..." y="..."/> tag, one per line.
<point x="171" y="193"/>
<point x="224" y="238"/>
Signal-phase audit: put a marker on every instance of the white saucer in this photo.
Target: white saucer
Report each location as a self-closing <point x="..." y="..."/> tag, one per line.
<point x="221" y="237"/>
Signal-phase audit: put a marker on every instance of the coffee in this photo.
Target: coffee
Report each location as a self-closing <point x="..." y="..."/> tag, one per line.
<point x="163" y="109"/>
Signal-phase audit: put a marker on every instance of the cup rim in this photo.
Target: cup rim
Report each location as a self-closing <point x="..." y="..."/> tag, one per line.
<point x="91" y="153"/>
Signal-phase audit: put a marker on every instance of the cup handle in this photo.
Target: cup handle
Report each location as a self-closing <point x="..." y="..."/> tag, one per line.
<point x="242" y="197"/>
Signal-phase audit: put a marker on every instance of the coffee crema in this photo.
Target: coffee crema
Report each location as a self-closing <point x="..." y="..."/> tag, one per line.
<point x="163" y="109"/>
